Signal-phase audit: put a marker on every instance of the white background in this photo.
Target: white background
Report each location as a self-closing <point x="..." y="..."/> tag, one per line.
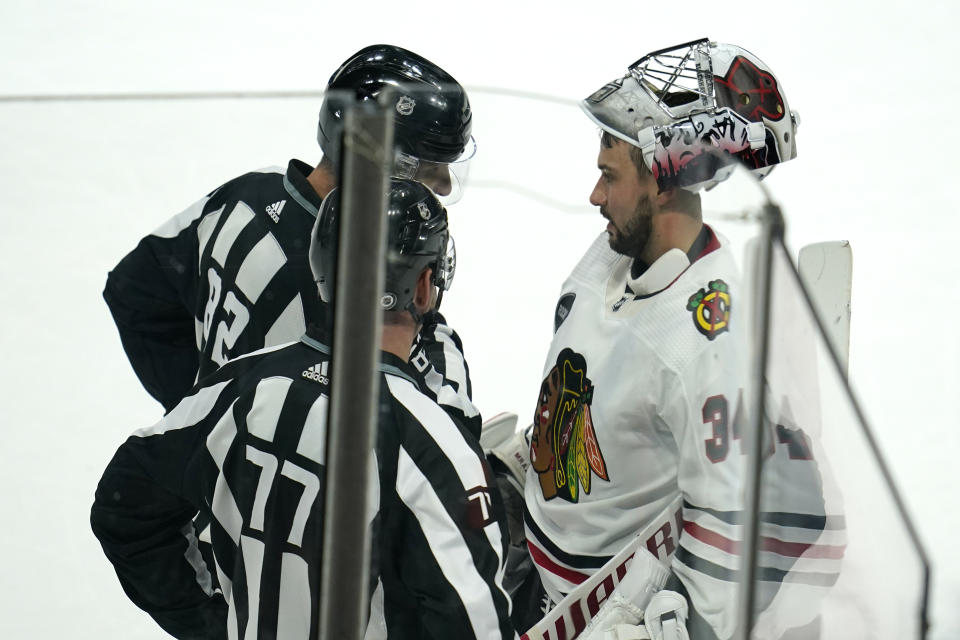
<point x="81" y="183"/>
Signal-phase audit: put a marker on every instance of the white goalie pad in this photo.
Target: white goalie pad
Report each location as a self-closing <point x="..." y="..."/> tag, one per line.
<point x="500" y="438"/>
<point x="826" y="269"/>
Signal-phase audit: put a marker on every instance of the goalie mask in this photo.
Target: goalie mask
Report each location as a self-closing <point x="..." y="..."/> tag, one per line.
<point x="695" y="109"/>
<point x="417" y="238"/>
<point x="431" y="114"/>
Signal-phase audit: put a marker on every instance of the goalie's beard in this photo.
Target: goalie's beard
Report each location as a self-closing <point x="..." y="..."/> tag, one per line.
<point x="632" y="238"/>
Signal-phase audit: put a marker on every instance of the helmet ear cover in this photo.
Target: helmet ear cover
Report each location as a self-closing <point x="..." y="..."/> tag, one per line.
<point x="694" y="110"/>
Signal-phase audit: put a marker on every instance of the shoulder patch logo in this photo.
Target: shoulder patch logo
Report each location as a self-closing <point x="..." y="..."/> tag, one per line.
<point x="564" y="305"/>
<point x="711" y="309"/>
<point x="479" y="508"/>
<point x="563" y="445"/>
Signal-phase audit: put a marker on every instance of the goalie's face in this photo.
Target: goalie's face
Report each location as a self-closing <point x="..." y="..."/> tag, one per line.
<point x="626" y="199"/>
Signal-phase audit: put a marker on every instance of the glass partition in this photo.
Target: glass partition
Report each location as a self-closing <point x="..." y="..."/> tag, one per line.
<point x="846" y="562"/>
<point x="833" y="552"/>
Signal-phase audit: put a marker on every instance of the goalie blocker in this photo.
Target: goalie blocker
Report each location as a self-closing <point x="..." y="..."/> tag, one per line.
<point x="623" y="600"/>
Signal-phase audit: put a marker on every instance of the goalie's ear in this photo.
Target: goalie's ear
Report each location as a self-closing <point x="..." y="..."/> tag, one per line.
<point x="665" y="197"/>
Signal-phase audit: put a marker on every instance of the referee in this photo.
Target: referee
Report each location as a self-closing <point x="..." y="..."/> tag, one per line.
<point x="229" y="275"/>
<point x="245" y="446"/>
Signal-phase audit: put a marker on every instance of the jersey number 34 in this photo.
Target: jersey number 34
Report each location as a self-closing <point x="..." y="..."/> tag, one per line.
<point x="715" y="412"/>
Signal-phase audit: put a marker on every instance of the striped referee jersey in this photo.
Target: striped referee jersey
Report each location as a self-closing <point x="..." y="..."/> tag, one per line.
<point x="230" y="275"/>
<point x="246" y="447"/>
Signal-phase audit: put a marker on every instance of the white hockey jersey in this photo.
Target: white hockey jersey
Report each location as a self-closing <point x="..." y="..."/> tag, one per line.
<point x="638" y="411"/>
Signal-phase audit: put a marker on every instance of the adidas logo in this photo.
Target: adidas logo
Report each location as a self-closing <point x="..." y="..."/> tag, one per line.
<point x="274" y="210"/>
<point x="317" y="373"/>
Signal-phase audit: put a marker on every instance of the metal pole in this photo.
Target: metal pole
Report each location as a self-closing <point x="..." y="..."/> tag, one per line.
<point x="772" y="231"/>
<point x="367" y="149"/>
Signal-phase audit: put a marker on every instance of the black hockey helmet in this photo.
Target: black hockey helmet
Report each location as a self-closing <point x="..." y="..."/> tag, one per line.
<point x="431" y="110"/>
<point x="417" y="238"/>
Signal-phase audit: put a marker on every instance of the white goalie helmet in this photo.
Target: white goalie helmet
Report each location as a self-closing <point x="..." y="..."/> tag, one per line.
<point x="695" y="109"/>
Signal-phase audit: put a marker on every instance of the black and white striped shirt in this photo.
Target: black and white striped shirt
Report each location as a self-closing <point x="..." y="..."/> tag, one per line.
<point x="246" y="446"/>
<point x="230" y="275"/>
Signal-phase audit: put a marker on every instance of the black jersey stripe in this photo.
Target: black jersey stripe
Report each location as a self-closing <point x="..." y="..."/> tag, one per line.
<point x="265" y="296"/>
<point x="277" y="574"/>
<point x="209" y="221"/>
<point x="570" y="559"/>
<point x="241" y="246"/>
<point x="187" y="413"/>
<point x="239" y="217"/>
<point x="764" y="574"/>
<point x="783" y="518"/>
<point x="259" y="266"/>
<point x="433" y="426"/>
<point x="255" y="470"/>
<point x="219" y="442"/>
<point x="445" y="374"/>
<point x="482" y="554"/>
<point x="443" y="537"/>
<point x="454" y="466"/>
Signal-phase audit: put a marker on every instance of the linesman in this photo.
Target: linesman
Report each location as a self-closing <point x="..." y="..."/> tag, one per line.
<point x="229" y="275"/>
<point x="245" y="447"/>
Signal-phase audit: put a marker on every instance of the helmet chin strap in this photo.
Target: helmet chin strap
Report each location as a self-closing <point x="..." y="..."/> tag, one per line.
<point x="412" y="310"/>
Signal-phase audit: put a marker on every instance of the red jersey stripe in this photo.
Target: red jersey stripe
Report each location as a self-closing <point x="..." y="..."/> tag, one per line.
<point x="780" y="547"/>
<point x="544" y="561"/>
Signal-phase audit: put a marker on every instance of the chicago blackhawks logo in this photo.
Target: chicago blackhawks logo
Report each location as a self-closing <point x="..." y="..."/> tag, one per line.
<point x="711" y="309"/>
<point x="563" y="446"/>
